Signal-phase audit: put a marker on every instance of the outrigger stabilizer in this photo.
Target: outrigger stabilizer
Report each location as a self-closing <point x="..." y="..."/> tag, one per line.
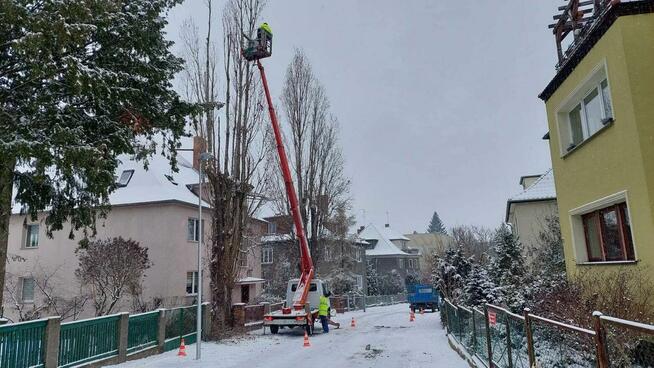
<point x="255" y="50"/>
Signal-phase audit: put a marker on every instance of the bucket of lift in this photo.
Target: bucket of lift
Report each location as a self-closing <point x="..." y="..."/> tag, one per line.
<point x="259" y="48"/>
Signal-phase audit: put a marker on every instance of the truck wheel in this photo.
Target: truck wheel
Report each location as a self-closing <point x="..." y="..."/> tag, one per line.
<point x="274" y="329"/>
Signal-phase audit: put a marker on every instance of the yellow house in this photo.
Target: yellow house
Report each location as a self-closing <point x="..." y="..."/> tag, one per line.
<point x="600" y="109"/>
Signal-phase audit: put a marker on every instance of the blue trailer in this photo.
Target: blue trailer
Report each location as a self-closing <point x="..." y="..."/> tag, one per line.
<point x="423" y="297"/>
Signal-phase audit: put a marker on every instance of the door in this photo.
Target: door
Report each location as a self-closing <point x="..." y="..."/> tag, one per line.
<point x="245" y="294"/>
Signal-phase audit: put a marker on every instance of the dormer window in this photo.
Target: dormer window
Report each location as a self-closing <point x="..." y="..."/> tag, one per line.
<point x="125" y="177"/>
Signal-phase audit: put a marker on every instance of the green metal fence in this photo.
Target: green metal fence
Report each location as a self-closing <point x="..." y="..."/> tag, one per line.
<point x="22" y="344"/>
<point x="180" y="322"/>
<point x="87" y="340"/>
<point x="142" y="331"/>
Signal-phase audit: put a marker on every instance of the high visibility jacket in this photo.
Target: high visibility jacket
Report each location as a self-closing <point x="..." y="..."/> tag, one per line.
<point x="323" y="309"/>
<point x="266" y="28"/>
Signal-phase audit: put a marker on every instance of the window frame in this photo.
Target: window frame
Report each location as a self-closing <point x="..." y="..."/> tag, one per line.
<point x="620" y="209"/>
<point x="267" y="254"/>
<point x="196" y="229"/>
<point x="131" y="174"/>
<point x="357" y="255"/>
<point x="592" y="83"/>
<point x="359" y="281"/>
<point x="194" y="283"/>
<point x="27" y="236"/>
<point x="22" y="289"/>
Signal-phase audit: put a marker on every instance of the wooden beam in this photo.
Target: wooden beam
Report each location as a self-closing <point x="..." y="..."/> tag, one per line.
<point x="583" y="11"/>
<point x="581" y="3"/>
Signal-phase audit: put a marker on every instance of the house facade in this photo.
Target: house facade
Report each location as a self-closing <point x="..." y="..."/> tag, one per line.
<point x="335" y="259"/>
<point x="601" y="128"/>
<point x="157" y="208"/>
<point x="529" y="211"/>
<point x="388" y="251"/>
<point x="428" y="245"/>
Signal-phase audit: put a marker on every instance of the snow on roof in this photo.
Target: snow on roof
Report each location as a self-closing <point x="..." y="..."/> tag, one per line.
<point x="391" y="234"/>
<point x="383" y="246"/>
<point x="543" y="188"/>
<point x="250" y="280"/>
<point x="156" y="184"/>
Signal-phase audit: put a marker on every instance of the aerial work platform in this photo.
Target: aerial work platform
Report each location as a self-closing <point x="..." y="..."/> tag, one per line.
<point x="261" y="47"/>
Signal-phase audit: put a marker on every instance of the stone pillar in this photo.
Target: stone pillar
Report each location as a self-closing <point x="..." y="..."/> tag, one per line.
<point x="52" y="331"/>
<point x="238" y="312"/>
<point x="123" y="328"/>
<point x="161" y="332"/>
<point x="206" y="321"/>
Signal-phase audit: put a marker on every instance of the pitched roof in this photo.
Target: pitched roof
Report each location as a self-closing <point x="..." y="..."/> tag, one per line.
<point x="383" y="246"/>
<point x="542" y="188"/>
<point x="156" y="184"/>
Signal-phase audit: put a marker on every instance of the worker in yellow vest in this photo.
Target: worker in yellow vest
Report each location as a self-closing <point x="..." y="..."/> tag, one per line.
<point x="266" y="28"/>
<point x="323" y="312"/>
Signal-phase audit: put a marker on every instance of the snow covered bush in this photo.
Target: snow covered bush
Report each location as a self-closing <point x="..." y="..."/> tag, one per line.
<point x="450" y="273"/>
<point x="508" y="268"/>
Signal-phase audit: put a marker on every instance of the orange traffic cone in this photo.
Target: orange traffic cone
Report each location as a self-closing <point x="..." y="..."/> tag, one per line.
<point x="353" y="324"/>
<point x="412" y="316"/>
<point x="306" y="340"/>
<point x="182" y="349"/>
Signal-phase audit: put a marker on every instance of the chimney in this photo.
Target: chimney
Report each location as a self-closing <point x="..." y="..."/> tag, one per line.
<point x="387" y="225"/>
<point x="199" y="147"/>
<point x="360" y="229"/>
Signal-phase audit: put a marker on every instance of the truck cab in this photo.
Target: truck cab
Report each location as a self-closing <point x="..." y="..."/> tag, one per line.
<point x="316" y="289"/>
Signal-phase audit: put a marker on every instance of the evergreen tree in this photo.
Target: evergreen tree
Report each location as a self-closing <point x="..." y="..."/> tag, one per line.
<point x="81" y="82"/>
<point x="508" y="268"/>
<point x="480" y="288"/>
<point x="548" y="268"/>
<point x="372" y="280"/>
<point x="451" y="273"/>
<point x="436" y="225"/>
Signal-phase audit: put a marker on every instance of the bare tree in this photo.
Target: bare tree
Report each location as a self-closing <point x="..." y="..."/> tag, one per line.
<point x="112" y="268"/>
<point x="237" y="174"/>
<point x="316" y="156"/>
<point x="475" y="241"/>
<point x="47" y="296"/>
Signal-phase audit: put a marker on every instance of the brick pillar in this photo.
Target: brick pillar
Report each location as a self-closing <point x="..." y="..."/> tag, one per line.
<point x="123" y="328"/>
<point x="52" y="331"/>
<point x="161" y="331"/>
<point x="238" y="312"/>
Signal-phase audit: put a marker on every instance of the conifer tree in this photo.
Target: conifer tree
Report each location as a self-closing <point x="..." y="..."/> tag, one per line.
<point x="480" y="288"/>
<point x="436" y="225"/>
<point x="81" y="82"/>
<point x="508" y="267"/>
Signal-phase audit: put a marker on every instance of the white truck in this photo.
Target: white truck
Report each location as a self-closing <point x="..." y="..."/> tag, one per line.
<point x="289" y="317"/>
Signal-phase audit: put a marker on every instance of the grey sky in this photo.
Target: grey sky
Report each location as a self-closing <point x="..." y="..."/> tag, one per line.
<point x="437" y="100"/>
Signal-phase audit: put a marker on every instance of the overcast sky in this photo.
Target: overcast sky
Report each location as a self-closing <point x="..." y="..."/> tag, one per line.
<point x="437" y="100"/>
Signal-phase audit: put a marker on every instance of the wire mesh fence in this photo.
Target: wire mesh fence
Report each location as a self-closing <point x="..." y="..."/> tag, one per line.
<point x="628" y="344"/>
<point x="560" y="345"/>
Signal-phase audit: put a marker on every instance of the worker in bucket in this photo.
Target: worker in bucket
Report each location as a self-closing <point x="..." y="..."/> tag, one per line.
<point x="264" y="35"/>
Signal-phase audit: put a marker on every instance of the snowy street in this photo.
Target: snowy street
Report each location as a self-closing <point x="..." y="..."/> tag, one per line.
<point x="394" y="342"/>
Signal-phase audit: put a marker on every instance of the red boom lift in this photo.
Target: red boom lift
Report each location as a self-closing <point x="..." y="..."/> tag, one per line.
<point x="295" y="316"/>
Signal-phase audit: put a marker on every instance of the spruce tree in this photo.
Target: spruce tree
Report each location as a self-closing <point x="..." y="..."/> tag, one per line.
<point x="436" y="225"/>
<point x="372" y="280"/>
<point x="480" y="288"/>
<point x="508" y="267"/>
<point x="81" y="82"/>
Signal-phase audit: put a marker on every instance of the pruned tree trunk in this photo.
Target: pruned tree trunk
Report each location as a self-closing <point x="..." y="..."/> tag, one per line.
<point x="7" y="166"/>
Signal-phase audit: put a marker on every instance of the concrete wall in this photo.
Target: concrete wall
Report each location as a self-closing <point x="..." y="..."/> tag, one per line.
<point x="620" y="158"/>
<point x="161" y="228"/>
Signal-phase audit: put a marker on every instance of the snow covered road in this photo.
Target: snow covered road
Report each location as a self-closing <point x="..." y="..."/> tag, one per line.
<point x="394" y="342"/>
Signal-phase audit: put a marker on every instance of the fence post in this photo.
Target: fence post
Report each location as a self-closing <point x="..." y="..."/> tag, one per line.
<point x="206" y="321"/>
<point x="52" y="331"/>
<point x="489" y="345"/>
<point x="447" y="317"/>
<point x="600" y="341"/>
<point x="123" y="329"/>
<point x="530" y="338"/>
<point x="508" y="340"/>
<point x="474" y="332"/>
<point x="161" y="332"/>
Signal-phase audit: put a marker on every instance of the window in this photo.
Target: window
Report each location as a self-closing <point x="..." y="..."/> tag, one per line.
<point x="607" y="233"/>
<point x="125" y="177"/>
<point x="191" y="283"/>
<point x="193" y="230"/>
<point x="359" y="280"/>
<point x="27" y="290"/>
<point x="328" y="254"/>
<point x="412" y="263"/>
<point x="272" y="228"/>
<point x="267" y="255"/>
<point x="31" y="236"/>
<point x="357" y="255"/>
<point x="587" y="113"/>
<point x="401" y="262"/>
<point x="243" y="260"/>
<point x="312" y="287"/>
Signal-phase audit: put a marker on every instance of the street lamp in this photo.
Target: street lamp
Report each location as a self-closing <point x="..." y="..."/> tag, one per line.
<point x="198" y="337"/>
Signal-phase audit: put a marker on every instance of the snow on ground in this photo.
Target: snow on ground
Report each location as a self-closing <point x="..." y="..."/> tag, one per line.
<point x="394" y="342"/>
